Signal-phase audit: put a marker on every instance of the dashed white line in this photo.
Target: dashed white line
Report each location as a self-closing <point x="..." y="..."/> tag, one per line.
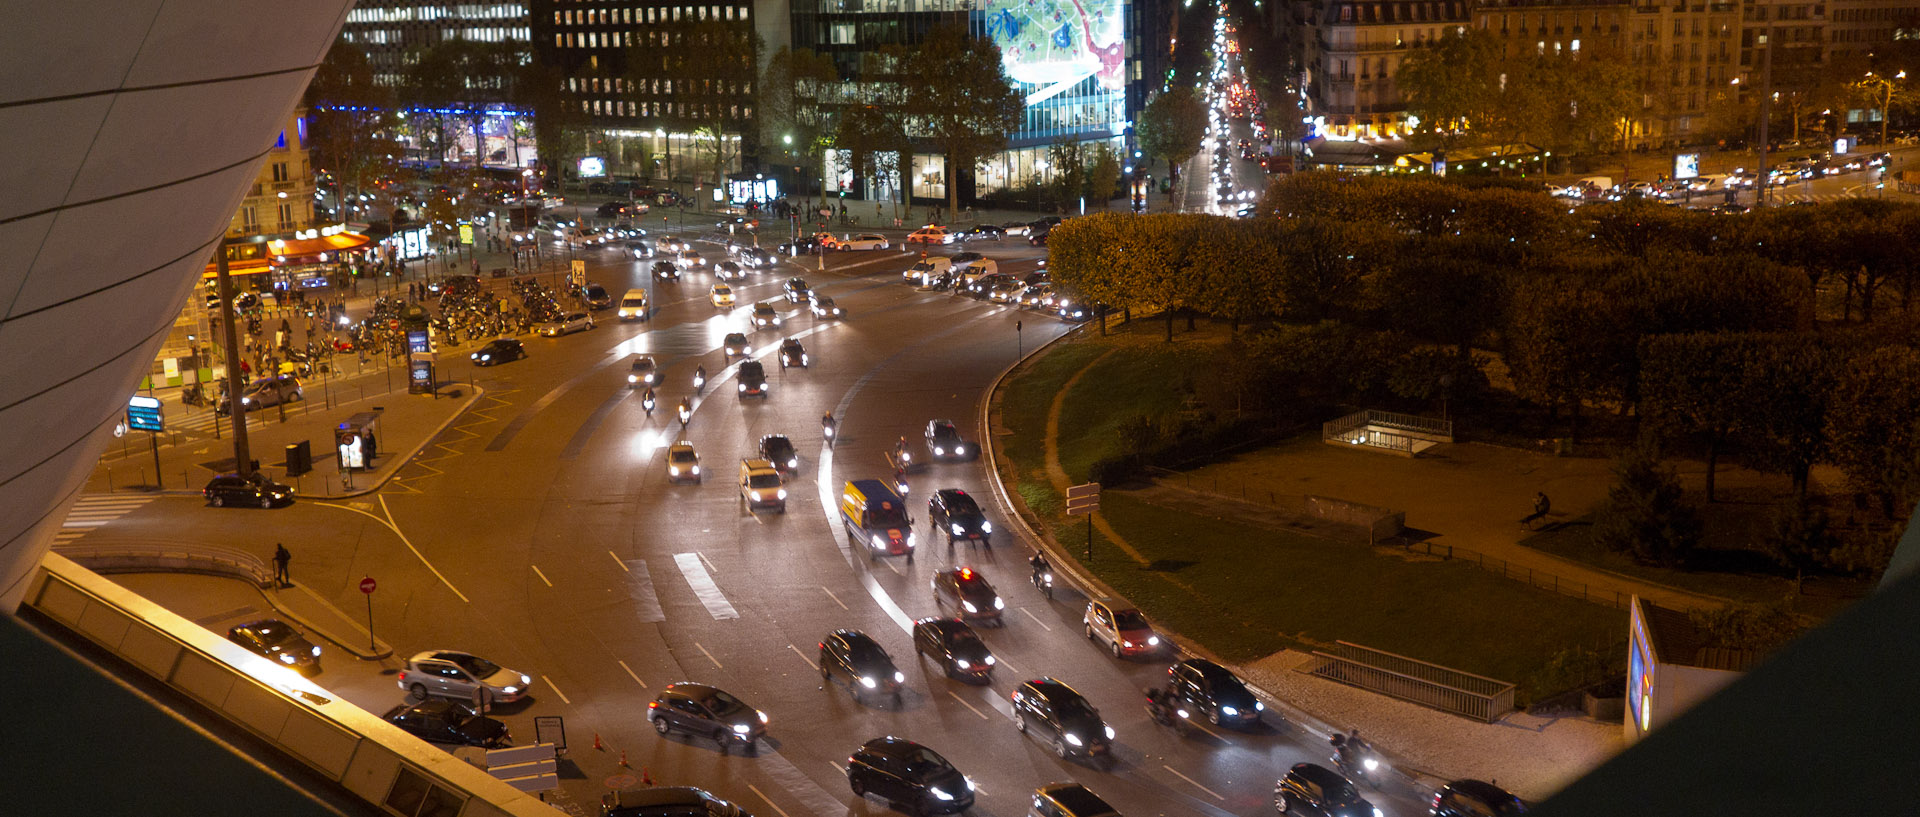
<point x="708" y="562"/>
<point x="763" y="796"/>
<point x="1196" y="783"/>
<point x="836" y="599"/>
<point x="836" y="765"/>
<point x="1036" y="620"/>
<point x="543" y="576"/>
<point x="556" y="690"/>
<point x="616" y="560"/>
<point x="703" y="651"/>
<point x="630" y="674"/>
<point x="963" y="702"/>
<point x="803" y="656"/>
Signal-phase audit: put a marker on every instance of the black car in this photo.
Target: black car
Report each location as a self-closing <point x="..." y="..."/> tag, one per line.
<point x="597" y="297"/>
<point x="777" y="449"/>
<point x="1070" y="800"/>
<point x="1317" y="791"/>
<point x="251" y="490"/>
<point x="954" y="514"/>
<point x="736" y="345"/>
<point x="754" y="257"/>
<point x="1038" y="236"/>
<point x="443" y="721"/>
<point x="612" y="209"/>
<point x="793" y="354"/>
<point x="698" y="709"/>
<point x="666" y="801"/>
<point x="956" y="646"/>
<point x="1052" y="711"/>
<point x="908" y="774"/>
<point x="968" y="592"/>
<point x="273" y="640"/>
<point x="944" y="442"/>
<point x="854" y="657"/>
<point x="992" y="231"/>
<point x="800" y="246"/>
<point x="1475" y="798"/>
<point x="752" y="378"/>
<point x="1208" y="687"/>
<point x="796" y="290"/>
<point x="666" y="270"/>
<point x="498" y="351"/>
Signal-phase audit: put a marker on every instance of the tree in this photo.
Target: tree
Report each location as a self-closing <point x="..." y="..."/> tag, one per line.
<point x="1761" y="628"/>
<point x="1442" y="290"/>
<point x="1103" y="173"/>
<point x="1327" y="263"/>
<point x="559" y="125"/>
<point x="1644" y="515"/>
<point x="794" y="113"/>
<point x="1455" y="84"/>
<point x="868" y="133"/>
<point x="1067" y="162"/>
<point x="714" y="67"/>
<point x="1788" y="382"/>
<point x="349" y="115"/>
<point x="1798" y="540"/>
<point x="1875" y="426"/>
<point x="1171" y="127"/>
<point x="957" y="97"/>
<point x="1694" y="384"/>
<point x="1233" y="262"/>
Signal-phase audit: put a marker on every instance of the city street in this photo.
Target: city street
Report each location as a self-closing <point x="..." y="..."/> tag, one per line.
<point x="540" y="532"/>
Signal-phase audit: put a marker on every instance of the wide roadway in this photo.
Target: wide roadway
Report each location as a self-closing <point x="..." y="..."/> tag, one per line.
<point x="541" y="532"/>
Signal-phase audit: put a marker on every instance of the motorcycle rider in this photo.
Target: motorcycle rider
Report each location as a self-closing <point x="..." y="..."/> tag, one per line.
<point x="646" y="401"/>
<point x="827" y="423"/>
<point x="1160" y="704"/>
<point x="699" y="376"/>
<point x="1039" y="565"/>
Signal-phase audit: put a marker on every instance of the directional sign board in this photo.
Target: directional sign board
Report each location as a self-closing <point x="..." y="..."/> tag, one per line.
<point x="143" y="414"/>
<point x="1083" y="499"/>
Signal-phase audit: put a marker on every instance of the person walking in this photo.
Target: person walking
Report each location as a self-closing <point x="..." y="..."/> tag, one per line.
<point x="280" y="559"/>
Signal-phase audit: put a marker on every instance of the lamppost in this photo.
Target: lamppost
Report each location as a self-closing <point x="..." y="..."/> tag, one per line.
<point x="1884" y="88"/>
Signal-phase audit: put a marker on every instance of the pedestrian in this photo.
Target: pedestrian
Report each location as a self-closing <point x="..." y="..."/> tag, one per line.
<point x="879" y="212"/>
<point x="1540" y="507"/>
<point x="280" y="559"/>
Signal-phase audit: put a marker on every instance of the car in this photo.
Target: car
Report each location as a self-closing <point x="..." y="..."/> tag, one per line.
<point x="721" y="296"/>
<point x="824" y="307"/>
<point x="689" y="259"/>
<point x="907" y="774"/>
<point x="760" y="486"/>
<point x="1004" y="291"/>
<point x="956" y="646"/>
<point x="754" y="257"/>
<point x="1049" y="710"/>
<point x="944" y="442"/>
<point x="752" y="379"/>
<point x="633" y="306"/>
<point x="1036" y="296"/>
<point x="855" y="658"/>
<point x="1038" y="236"/>
<point x="666" y="271"/>
<point x="1125" y="629"/>
<point x="803" y="246"/>
<point x="498" y="351"/>
<point x="865" y="241"/>
<point x="763" y="316"/>
<point x="779" y="450"/>
<point x="728" y="271"/>
<point x="734" y="223"/>
<point x="954" y="513"/>
<point x="274" y="640"/>
<point x="1043" y="223"/>
<point x="930" y="234"/>
<point x="683" y="463"/>
<point x="1069" y="800"/>
<point x="796" y="290"/>
<point x="793" y="354"/>
<point x="735" y="345"/>
<point x="567" y="325"/>
<point x="643" y="372"/>
<point x="1016" y="227"/>
<point x="436" y="721"/>
<point x="698" y="709"/>
<point x="612" y="209"/>
<point x="673" y="245"/>
<point x="584" y="236"/>
<point x="1312" y="790"/>
<point x="964" y="589"/>
<point x="461" y="676"/>
<point x="1073" y="309"/>
<point x="963" y="260"/>
<point x="1474" y="798"/>
<point x="1208" y="687"/>
<point x="638" y="248"/>
<point x="982" y="231"/>
<point x="230" y="490"/>
<point x="927" y="269"/>
<point x="980" y="286"/>
<point x="271" y="391"/>
<point x="666" y="801"/>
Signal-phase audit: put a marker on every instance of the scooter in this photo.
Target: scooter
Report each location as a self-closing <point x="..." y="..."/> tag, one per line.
<point x="686" y="413"/>
<point x="646" y="402"/>
<point x="1168" y="714"/>
<point x="827" y="427"/>
<point x="1044" y="581"/>
<point x="1360" y="764"/>
<point x="699" y="379"/>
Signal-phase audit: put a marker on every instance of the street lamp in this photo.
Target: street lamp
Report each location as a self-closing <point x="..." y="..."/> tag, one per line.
<point x="1884" y="88"/>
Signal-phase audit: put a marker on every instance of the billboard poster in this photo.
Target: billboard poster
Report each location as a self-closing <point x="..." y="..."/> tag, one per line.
<point x="1057" y="43"/>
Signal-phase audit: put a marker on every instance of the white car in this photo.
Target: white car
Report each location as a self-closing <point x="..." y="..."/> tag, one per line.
<point x="865" y="241"/>
<point x="457" y="675"/>
<point x="683" y="463"/>
<point x="688" y="259"/>
<point x="721" y="296"/>
<point x="575" y="322"/>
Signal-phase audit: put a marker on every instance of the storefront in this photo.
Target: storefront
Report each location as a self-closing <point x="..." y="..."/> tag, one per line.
<point x="311" y="260"/>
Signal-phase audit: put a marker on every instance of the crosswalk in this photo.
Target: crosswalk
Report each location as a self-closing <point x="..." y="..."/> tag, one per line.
<point x="92" y="511"/>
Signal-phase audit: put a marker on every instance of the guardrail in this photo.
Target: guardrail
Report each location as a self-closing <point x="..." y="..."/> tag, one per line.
<point x="134" y="558"/>
<point x="1410" y="679"/>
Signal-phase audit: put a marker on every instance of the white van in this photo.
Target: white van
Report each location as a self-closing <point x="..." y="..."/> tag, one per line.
<point x="633" y="305"/>
<point x="928" y="268"/>
<point x="984" y="266"/>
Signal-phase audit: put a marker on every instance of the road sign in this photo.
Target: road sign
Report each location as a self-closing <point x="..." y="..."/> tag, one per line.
<point x="577" y="273"/>
<point x="143" y="414"/>
<point x="366" y="585"/>
<point x="1083" y="499"/>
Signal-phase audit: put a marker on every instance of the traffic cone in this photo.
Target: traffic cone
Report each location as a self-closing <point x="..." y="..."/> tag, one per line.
<point x="646" y="779"/>
<point x="597" y="744"/>
<point x="623" y="759"/>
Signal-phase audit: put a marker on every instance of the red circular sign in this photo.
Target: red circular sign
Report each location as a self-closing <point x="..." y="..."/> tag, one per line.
<point x="366" y="585"/>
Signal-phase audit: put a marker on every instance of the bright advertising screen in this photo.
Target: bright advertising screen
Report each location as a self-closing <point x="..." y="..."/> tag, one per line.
<point x="1057" y="43"/>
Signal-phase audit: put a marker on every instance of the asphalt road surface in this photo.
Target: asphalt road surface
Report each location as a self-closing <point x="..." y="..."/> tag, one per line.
<point x="540" y="532"/>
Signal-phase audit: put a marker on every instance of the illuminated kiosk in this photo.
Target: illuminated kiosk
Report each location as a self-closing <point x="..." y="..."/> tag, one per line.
<point x="1668" y="669"/>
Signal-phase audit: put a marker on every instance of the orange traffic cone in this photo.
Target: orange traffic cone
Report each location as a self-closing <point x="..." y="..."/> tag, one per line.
<point x="623" y="759"/>
<point x="645" y="778"/>
<point x="597" y="744"/>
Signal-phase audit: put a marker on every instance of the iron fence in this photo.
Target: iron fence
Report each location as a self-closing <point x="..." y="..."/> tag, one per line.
<point x="1535" y="578"/>
<point x="1410" y="679"/>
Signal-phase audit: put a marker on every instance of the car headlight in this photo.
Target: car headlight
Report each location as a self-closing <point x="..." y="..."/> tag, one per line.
<point x="970" y="607"/>
<point x="959" y="449"/>
<point x="1229" y="711"/>
<point x="999" y="604"/>
<point x="1371" y="764"/>
<point x="763" y="715"/>
<point x="899" y="677"/>
<point x="962" y="663"/>
<point x="741" y="728"/>
<point x="986" y="527"/>
<point x="867" y="681"/>
<point x="694" y="469"/>
<point x="287" y="658"/>
<point x="1074" y="739"/>
<point x="1376" y="813"/>
<point x="743" y="386"/>
<point x="1259" y="707"/>
<point x="939" y="795"/>
<point x="673" y="469"/>
<point x="793" y="463"/>
<point x="937" y="451"/>
<point x="632" y="379"/>
<point x="1153" y="641"/>
<point x="510" y="690"/>
<point x="1109" y="733"/>
<point x="957" y="530"/>
<point x="804" y="359"/>
<point x="780" y="494"/>
<point x="909" y="539"/>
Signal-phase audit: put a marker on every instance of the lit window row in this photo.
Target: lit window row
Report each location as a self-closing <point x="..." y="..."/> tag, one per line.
<point x="629" y="16"/>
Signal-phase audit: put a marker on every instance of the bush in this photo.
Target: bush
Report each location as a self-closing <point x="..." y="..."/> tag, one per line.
<point x="1113" y="471"/>
<point x="1645" y="515"/>
<point x="1761" y="628"/>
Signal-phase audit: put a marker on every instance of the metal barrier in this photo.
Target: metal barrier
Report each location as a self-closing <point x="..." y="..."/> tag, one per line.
<point x="1536" y="578"/>
<point x="1392" y="431"/>
<point x="1410" y="679"/>
<point x="136" y="558"/>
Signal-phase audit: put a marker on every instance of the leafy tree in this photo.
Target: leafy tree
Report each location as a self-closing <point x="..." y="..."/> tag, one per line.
<point x="956" y="95"/>
<point x="1456" y="83"/>
<point x="1103" y="173"/>
<point x="1645" y="515"/>
<point x="1327" y="263"/>
<point x="1172" y="126"/>
<point x="1695" y="384"/>
<point x="349" y="115"/>
<point x="1874" y="425"/>
<point x="1761" y="628"/>
<point x="1442" y="290"/>
<point x="559" y="125"/>
<point x="793" y="108"/>
<point x="1561" y="343"/>
<point x="1798" y="540"/>
<point x="1233" y="262"/>
<point x="1789" y="380"/>
<point x="1067" y="162"/>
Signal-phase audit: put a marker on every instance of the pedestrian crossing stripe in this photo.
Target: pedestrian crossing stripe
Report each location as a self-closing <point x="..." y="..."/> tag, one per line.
<point x="90" y="512"/>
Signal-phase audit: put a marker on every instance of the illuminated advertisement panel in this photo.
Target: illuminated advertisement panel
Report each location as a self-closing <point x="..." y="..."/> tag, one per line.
<point x="1054" y="44"/>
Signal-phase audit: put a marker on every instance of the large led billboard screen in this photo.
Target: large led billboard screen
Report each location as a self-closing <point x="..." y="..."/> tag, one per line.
<point x="1057" y="43"/>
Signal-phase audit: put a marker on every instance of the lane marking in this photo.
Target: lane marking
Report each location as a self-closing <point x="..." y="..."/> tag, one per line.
<point x="636" y="678"/>
<point x="803" y="657"/>
<point x="709" y="563"/>
<point x="388" y="522"/>
<point x="703" y="651"/>
<point x="836" y="599"/>
<point x="1196" y="783"/>
<point x="556" y="690"/>
<point x="1002" y="661"/>
<point x="836" y="765"/>
<point x="788" y="778"/>
<point x="644" y="596"/>
<point x="543" y="576"/>
<point x="703" y="586"/>
<point x="769" y="800"/>
<point x="963" y="702"/>
<point x="1036" y="620"/>
<point x="616" y="560"/>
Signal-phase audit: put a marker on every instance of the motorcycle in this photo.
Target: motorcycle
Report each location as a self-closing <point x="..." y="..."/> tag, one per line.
<point x="1360" y="764"/>
<point x="1167" y="712"/>
<point x="1043" y="579"/>
<point x="646" y="402"/>
<point x="699" y="379"/>
<point x="900" y="482"/>
<point x="686" y="413"/>
<point x="193" y="396"/>
<point x="827" y="426"/>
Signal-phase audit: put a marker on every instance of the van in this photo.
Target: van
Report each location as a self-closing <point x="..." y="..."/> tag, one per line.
<point x="927" y="269"/>
<point x="633" y="305"/>
<point x="978" y="269"/>
<point x="876" y="517"/>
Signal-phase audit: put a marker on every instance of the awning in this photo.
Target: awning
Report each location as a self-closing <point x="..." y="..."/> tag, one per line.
<point x="295" y="252"/>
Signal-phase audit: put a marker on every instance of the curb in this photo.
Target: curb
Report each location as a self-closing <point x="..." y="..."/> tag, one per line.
<point x="1307" y="722"/>
<point x="401" y="462"/>
<point x="384" y="650"/>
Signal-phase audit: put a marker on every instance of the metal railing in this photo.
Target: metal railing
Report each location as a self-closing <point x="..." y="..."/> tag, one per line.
<point x="1535" y="578"/>
<point x="1410" y="679"/>
<point x="137" y="558"/>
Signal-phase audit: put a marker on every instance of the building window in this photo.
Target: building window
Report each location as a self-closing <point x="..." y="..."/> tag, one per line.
<point x="280" y="171"/>
<point x="286" y="217"/>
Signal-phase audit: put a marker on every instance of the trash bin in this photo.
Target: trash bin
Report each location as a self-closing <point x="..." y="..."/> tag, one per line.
<point x="299" y="458"/>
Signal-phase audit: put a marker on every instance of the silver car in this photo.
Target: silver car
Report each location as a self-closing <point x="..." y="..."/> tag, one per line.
<point x="575" y="322"/>
<point x="451" y="674"/>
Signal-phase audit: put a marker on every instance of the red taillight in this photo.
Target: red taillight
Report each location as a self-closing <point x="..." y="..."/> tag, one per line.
<point x="653" y="705"/>
<point x="403" y="675"/>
